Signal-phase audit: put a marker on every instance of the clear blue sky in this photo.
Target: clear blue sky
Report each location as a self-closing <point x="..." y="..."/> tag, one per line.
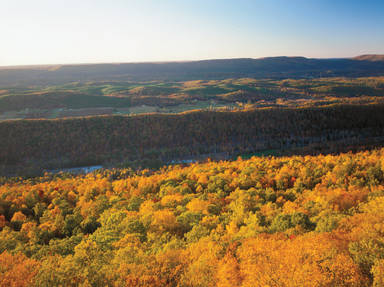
<point x="84" y="31"/>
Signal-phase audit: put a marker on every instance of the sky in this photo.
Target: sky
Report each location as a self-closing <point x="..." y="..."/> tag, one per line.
<point x="107" y="31"/>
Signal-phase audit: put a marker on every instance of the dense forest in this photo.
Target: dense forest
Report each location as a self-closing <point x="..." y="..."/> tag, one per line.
<point x="30" y="146"/>
<point x="266" y="221"/>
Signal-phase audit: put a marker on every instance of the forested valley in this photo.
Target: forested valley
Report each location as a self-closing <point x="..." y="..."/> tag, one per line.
<point x="31" y="146"/>
<point x="236" y="173"/>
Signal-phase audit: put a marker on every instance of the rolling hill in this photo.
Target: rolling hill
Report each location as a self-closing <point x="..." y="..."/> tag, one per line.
<point x="272" y="67"/>
<point x="370" y="58"/>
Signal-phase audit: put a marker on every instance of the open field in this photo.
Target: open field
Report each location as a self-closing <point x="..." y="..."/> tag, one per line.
<point x="108" y="98"/>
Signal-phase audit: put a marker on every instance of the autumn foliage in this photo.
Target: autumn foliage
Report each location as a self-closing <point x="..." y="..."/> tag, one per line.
<point x="266" y="221"/>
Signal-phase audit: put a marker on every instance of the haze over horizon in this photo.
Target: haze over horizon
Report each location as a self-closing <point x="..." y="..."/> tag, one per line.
<point x="46" y="32"/>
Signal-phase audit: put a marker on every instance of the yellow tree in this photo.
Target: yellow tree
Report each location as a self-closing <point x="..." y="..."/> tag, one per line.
<point x="17" y="270"/>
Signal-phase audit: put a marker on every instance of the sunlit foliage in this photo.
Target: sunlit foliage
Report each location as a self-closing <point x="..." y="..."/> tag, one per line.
<point x="266" y="221"/>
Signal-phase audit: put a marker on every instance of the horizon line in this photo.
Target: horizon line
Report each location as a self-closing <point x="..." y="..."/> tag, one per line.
<point x="172" y="61"/>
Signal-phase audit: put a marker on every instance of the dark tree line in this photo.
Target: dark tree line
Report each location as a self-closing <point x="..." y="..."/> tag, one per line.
<point x="112" y="139"/>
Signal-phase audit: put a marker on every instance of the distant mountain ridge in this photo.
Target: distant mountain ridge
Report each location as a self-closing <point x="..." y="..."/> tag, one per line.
<point x="370" y="58"/>
<point x="270" y="67"/>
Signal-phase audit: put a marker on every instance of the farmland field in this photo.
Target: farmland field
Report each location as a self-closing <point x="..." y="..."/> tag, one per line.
<point x="108" y="98"/>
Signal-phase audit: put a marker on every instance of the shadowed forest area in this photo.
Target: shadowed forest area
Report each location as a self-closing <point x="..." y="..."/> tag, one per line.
<point x="30" y="146"/>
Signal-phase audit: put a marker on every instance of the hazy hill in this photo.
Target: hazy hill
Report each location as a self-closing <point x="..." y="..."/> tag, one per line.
<point x="370" y="58"/>
<point x="273" y="67"/>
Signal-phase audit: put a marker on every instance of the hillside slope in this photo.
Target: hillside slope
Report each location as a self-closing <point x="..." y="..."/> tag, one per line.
<point x="370" y="58"/>
<point x="117" y="139"/>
